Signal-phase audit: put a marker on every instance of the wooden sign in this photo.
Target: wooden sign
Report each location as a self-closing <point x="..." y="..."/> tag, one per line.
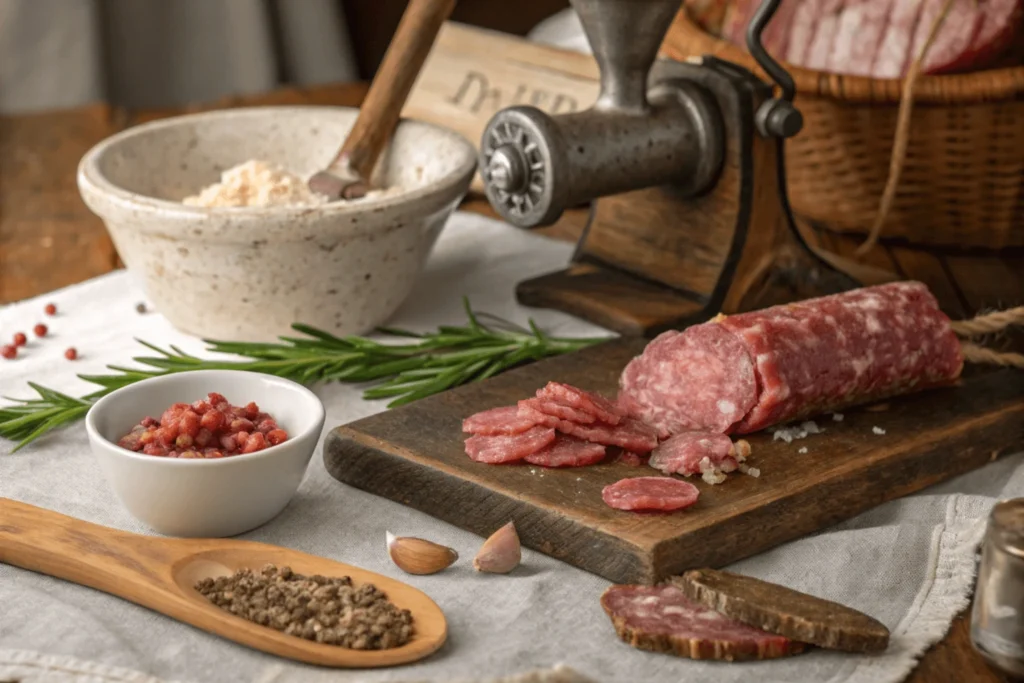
<point x="472" y="73"/>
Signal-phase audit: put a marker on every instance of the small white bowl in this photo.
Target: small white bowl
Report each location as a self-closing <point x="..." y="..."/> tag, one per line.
<point x="206" y="498"/>
<point x="248" y="273"/>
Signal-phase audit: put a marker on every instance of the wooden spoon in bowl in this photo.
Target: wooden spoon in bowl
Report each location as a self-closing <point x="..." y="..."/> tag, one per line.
<point x="348" y="176"/>
<point x="160" y="573"/>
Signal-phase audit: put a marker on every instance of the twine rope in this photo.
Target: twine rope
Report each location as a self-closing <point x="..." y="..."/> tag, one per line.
<point x="987" y="323"/>
<point x="902" y="138"/>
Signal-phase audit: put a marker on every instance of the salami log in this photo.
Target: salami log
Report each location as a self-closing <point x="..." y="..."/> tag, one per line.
<point x="796" y="360"/>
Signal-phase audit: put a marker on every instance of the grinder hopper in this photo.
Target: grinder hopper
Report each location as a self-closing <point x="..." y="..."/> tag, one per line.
<point x="683" y="166"/>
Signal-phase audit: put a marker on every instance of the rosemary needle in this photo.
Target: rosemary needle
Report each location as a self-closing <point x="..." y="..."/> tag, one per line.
<point x="425" y="364"/>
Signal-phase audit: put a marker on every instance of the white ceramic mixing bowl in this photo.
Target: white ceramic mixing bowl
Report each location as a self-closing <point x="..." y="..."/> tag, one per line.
<point x="248" y="273"/>
<point x="206" y="498"/>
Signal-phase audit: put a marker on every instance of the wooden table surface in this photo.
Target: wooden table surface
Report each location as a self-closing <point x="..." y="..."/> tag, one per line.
<point x="49" y="239"/>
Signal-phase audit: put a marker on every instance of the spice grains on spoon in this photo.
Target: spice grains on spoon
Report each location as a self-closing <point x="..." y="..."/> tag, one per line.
<point x="325" y="610"/>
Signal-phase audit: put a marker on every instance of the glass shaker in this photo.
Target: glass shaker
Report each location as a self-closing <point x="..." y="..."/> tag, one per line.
<point x="997" y="620"/>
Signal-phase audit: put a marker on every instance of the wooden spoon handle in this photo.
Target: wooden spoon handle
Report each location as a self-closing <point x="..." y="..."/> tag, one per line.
<point x="109" y="560"/>
<point x="382" y="107"/>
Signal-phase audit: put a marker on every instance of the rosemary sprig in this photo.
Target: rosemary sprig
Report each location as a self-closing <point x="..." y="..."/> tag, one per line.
<point x="426" y="364"/>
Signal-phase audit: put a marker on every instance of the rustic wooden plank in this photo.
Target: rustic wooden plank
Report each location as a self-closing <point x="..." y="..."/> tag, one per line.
<point x="414" y="455"/>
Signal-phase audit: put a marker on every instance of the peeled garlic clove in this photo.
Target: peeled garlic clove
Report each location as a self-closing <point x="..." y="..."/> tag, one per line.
<point x="500" y="553"/>
<point x="418" y="556"/>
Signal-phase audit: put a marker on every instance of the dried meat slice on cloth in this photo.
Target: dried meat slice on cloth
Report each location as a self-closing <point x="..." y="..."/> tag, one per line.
<point x="567" y="451"/>
<point x="650" y="493"/>
<point x="662" y="619"/>
<point x="508" y="448"/>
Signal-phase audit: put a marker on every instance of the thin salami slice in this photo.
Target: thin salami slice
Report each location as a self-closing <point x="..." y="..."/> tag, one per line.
<point x="587" y="401"/>
<point x="567" y="451"/>
<point x="559" y="410"/>
<point x="497" y="421"/>
<point x="685" y="453"/>
<point x="662" y="619"/>
<point x="509" y="448"/>
<point x="650" y="493"/>
<point x="631" y="434"/>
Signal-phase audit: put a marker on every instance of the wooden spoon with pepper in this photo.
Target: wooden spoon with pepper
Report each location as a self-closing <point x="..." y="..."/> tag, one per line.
<point x="161" y="574"/>
<point x="348" y="176"/>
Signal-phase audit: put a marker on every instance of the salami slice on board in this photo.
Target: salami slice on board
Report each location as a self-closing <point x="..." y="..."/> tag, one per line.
<point x="497" y="421"/>
<point x="662" y="619"/>
<point x="684" y="453"/>
<point x="650" y="493"/>
<point x="567" y="451"/>
<point x="784" y="611"/>
<point x="630" y="434"/>
<point x="587" y="401"/>
<point x="501" y="449"/>
<point x="559" y="410"/>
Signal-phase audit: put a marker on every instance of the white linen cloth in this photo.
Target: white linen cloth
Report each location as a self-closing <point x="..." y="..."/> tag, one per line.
<point x="909" y="563"/>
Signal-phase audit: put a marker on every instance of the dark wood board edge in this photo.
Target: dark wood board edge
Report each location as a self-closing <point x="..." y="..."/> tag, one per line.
<point x="845" y="493"/>
<point x="366" y="463"/>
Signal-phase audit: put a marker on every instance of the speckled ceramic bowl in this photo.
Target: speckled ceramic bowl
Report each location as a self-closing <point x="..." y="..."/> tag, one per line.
<point x="248" y="273"/>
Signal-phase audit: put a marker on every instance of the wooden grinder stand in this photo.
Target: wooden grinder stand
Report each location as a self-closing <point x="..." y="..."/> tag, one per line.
<point x="685" y="162"/>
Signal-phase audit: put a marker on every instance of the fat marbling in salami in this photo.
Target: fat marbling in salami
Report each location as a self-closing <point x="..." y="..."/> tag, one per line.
<point x="788" y="362"/>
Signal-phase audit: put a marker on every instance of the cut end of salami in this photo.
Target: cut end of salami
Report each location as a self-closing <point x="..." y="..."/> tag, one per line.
<point x="700" y="379"/>
<point x="662" y="619"/>
<point x="508" y="448"/>
<point x="567" y="451"/>
<point x="650" y="493"/>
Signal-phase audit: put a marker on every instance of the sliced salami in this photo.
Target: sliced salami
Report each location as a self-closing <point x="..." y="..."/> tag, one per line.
<point x="497" y="421"/>
<point x="589" y="402"/>
<point x="695" y="452"/>
<point x="630" y="434"/>
<point x="556" y="409"/>
<point x="701" y="379"/>
<point x="650" y="493"/>
<point x="509" y="448"/>
<point x="567" y="451"/>
<point x="662" y="619"/>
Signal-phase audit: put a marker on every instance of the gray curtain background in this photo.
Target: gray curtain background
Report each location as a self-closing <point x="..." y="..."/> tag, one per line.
<point x="157" y="53"/>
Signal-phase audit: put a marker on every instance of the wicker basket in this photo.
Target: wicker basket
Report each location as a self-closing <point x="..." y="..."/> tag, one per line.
<point x="962" y="183"/>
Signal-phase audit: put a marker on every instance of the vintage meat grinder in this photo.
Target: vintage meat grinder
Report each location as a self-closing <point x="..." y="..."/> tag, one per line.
<point x="683" y="164"/>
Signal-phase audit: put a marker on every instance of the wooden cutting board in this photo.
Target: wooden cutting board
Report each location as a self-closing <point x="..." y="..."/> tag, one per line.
<point x="414" y="455"/>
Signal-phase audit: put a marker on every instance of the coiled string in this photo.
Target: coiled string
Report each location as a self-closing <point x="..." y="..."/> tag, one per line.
<point x="989" y="323"/>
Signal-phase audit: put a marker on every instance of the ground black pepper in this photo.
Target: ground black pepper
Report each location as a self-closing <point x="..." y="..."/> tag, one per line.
<point x="325" y="610"/>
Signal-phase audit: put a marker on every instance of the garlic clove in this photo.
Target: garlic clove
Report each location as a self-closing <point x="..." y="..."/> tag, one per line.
<point x="419" y="556"/>
<point x="741" y="449"/>
<point x="500" y="553"/>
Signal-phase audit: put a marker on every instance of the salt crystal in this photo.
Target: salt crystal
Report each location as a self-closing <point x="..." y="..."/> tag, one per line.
<point x="811" y="427"/>
<point x="713" y="477"/>
<point x="878" y="430"/>
<point x="838" y="417"/>
<point x="802" y="449"/>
